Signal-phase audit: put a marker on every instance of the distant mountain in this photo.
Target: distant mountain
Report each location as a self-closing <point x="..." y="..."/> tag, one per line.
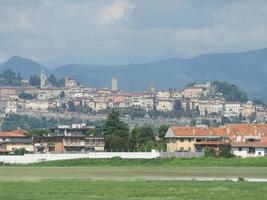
<point x="25" y="66"/>
<point x="246" y="69"/>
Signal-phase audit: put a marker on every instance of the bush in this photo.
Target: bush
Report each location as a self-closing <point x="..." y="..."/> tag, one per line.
<point x="241" y="179"/>
<point x="20" y="151"/>
<point x="226" y="152"/>
<point x="209" y="152"/>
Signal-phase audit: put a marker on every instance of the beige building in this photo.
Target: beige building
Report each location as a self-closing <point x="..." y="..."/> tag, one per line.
<point x="164" y="105"/>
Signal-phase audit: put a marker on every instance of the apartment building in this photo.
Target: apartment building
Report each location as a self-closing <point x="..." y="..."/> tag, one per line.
<point x="246" y="140"/>
<point x="13" y="140"/>
<point x="67" y="139"/>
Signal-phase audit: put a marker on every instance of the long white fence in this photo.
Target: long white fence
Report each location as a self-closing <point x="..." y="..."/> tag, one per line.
<point x="34" y="158"/>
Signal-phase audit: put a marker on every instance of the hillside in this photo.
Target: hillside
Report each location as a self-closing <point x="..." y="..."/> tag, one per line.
<point x="25" y="66"/>
<point x="246" y="69"/>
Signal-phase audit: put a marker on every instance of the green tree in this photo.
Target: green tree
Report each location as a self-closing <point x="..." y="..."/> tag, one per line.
<point x="38" y="132"/>
<point x="26" y="96"/>
<point x="52" y="79"/>
<point x="116" y="132"/>
<point x="34" y="80"/>
<point x="230" y="92"/>
<point x="226" y="152"/>
<point x="209" y="152"/>
<point x="62" y="95"/>
<point x="163" y="130"/>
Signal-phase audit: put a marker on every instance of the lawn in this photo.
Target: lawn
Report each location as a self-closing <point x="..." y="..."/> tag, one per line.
<point x="135" y="179"/>
<point x="152" y="190"/>
<point x="164" y="162"/>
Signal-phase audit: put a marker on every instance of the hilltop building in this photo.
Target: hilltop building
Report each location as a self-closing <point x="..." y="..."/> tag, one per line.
<point x="114" y="84"/>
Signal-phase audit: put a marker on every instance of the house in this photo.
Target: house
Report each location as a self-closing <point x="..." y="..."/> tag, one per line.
<point x="232" y="109"/>
<point x="65" y="139"/>
<point x="246" y="140"/>
<point x="13" y="140"/>
<point x="164" y="105"/>
<point x="194" y="139"/>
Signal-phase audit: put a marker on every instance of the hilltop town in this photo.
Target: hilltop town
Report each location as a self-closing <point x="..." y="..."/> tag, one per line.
<point x="210" y="103"/>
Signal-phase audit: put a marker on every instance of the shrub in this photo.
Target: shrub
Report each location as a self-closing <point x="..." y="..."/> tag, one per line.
<point x="209" y="152"/>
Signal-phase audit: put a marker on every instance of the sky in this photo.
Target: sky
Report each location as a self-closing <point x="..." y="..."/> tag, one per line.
<point x="128" y="31"/>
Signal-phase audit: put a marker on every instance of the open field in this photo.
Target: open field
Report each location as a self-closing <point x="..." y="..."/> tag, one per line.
<point x="130" y="173"/>
<point x="164" y="162"/>
<point x="132" y="190"/>
<point x="135" y="180"/>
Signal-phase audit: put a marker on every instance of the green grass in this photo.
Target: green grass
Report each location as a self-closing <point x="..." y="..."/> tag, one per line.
<point x="132" y="190"/>
<point x="126" y="173"/>
<point x="164" y="162"/>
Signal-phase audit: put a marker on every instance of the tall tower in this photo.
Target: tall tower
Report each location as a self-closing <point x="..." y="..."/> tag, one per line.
<point x="114" y="84"/>
<point x="42" y="79"/>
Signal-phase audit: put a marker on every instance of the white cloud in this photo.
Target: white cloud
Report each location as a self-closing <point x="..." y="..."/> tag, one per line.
<point x="114" y="12"/>
<point x="115" y="31"/>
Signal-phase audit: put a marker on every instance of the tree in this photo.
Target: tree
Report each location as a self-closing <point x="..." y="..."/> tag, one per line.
<point x="62" y="95"/>
<point x="38" y="132"/>
<point x="230" y="92"/>
<point x="163" y="130"/>
<point x="26" y="96"/>
<point x="226" y="152"/>
<point x="71" y="106"/>
<point x="34" y="80"/>
<point x="52" y="79"/>
<point x="8" y="77"/>
<point x="209" y="152"/>
<point x="116" y="132"/>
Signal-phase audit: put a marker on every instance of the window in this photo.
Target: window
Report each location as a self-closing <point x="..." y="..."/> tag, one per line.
<point x="189" y="148"/>
<point x="181" y="148"/>
<point x="182" y="140"/>
<point x="239" y="149"/>
<point x="259" y="153"/>
<point x="189" y="140"/>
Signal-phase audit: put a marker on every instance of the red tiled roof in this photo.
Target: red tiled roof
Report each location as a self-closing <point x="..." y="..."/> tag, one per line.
<point x="14" y="133"/>
<point x="249" y="144"/>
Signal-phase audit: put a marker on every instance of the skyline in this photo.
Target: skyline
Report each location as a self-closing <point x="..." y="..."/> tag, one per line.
<point x="124" y="32"/>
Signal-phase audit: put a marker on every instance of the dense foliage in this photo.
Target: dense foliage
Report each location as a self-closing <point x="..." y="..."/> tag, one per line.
<point x="28" y="122"/>
<point x="10" y="78"/>
<point x="230" y="92"/>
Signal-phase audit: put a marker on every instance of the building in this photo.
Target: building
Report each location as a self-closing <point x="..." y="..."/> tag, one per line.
<point x="194" y="139"/>
<point x="164" y="105"/>
<point x="114" y="84"/>
<point x="70" y="82"/>
<point x="246" y="140"/>
<point x="10" y="141"/>
<point x="65" y="139"/>
<point x="232" y="109"/>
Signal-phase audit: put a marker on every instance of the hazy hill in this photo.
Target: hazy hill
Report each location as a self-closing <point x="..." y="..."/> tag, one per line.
<point x="247" y="69"/>
<point x="25" y="66"/>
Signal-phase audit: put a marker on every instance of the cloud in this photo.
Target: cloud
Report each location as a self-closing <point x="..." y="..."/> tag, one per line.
<point x="129" y="31"/>
<point x="114" y="12"/>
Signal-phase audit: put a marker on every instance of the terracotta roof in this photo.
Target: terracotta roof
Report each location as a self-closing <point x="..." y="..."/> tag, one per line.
<point x="207" y="143"/>
<point x="249" y="144"/>
<point x="14" y="133"/>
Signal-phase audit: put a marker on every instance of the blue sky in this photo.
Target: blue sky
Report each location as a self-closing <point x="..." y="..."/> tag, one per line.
<point x="128" y="31"/>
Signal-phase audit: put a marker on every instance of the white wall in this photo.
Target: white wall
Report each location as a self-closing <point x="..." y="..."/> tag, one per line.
<point x="33" y="158"/>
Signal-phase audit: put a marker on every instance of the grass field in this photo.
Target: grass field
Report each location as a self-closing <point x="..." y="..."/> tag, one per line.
<point x="164" y="162"/>
<point x="132" y="190"/>
<point x="135" y="179"/>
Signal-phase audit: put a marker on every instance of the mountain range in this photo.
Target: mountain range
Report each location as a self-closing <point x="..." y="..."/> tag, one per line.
<point x="246" y="69"/>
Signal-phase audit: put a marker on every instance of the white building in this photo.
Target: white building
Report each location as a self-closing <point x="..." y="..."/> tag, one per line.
<point x="232" y="109"/>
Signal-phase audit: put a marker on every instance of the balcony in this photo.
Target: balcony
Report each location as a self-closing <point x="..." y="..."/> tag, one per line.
<point x="73" y="144"/>
<point x="93" y="144"/>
